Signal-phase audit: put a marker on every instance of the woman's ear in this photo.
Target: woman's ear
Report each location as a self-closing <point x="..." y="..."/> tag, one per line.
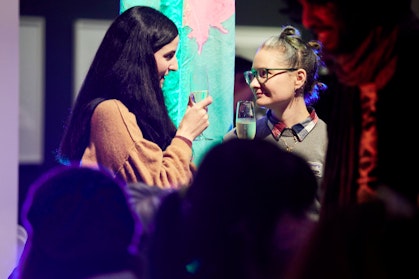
<point x="301" y="78"/>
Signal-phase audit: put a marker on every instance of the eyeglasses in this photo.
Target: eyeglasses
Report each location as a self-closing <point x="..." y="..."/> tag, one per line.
<point x="262" y="74"/>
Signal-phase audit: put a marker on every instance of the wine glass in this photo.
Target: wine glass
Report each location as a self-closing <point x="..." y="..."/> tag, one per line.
<point x="245" y="120"/>
<point x="199" y="91"/>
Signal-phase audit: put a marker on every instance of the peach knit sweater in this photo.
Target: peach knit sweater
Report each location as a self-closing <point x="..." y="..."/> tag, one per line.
<point x="117" y="143"/>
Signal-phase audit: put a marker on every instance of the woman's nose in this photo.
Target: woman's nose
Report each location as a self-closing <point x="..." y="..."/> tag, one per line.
<point x="174" y="65"/>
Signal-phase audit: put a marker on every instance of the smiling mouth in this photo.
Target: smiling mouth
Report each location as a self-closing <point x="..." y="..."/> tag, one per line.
<point x="161" y="81"/>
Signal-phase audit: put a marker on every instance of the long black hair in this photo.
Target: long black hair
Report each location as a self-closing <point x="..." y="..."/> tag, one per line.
<point x="124" y="68"/>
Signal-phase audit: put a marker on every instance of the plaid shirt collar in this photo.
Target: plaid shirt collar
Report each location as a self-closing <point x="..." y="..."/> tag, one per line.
<point x="300" y="130"/>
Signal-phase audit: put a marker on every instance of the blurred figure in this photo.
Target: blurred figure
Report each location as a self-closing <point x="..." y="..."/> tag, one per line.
<point x="244" y="216"/>
<point x="284" y="79"/>
<point x="120" y="120"/>
<point x="80" y="225"/>
<point x="165" y="251"/>
<point x="146" y="201"/>
<point x="369" y="49"/>
<point x="367" y="240"/>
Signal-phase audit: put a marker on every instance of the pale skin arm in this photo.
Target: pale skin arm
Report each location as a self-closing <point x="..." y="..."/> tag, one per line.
<point x="195" y="120"/>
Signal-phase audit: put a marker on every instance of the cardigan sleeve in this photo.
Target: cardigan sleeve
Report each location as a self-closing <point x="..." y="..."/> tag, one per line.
<point x="117" y="143"/>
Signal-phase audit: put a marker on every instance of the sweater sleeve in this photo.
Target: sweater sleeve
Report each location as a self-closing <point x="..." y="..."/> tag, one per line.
<point x="117" y="143"/>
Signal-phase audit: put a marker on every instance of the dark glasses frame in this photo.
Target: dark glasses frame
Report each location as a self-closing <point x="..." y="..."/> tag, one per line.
<point x="262" y="74"/>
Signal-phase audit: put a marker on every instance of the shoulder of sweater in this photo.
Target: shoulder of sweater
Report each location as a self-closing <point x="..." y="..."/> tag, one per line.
<point x="262" y="122"/>
<point x="230" y="135"/>
<point x="321" y="122"/>
<point x="111" y="104"/>
<point x="113" y="111"/>
<point x="262" y="119"/>
<point x="110" y="107"/>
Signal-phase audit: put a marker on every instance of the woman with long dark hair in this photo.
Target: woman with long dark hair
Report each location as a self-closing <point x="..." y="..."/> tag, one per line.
<point x="119" y="120"/>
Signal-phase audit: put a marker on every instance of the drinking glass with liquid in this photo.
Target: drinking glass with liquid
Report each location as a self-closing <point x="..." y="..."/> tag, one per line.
<point x="245" y="120"/>
<point x="199" y="90"/>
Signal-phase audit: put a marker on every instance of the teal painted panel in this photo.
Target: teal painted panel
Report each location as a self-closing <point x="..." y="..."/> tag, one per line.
<point x="207" y="37"/>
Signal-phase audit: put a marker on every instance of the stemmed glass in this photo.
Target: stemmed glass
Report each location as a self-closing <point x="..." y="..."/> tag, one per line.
<point x="199" y="90"/>
<point x="245" y="120"/>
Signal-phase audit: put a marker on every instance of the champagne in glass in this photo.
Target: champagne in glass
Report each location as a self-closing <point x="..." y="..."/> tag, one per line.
<point x="245" y="120"/>
<point x="199" y="95"/>
<point x="199" y="90"/>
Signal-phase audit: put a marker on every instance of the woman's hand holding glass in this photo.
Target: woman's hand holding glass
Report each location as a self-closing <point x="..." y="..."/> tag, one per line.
<point x="195" y="120"/>
<point x="199" y="89"/>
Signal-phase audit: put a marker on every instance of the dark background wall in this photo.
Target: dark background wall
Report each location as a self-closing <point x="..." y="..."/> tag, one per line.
<point x="59" y="18"/>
